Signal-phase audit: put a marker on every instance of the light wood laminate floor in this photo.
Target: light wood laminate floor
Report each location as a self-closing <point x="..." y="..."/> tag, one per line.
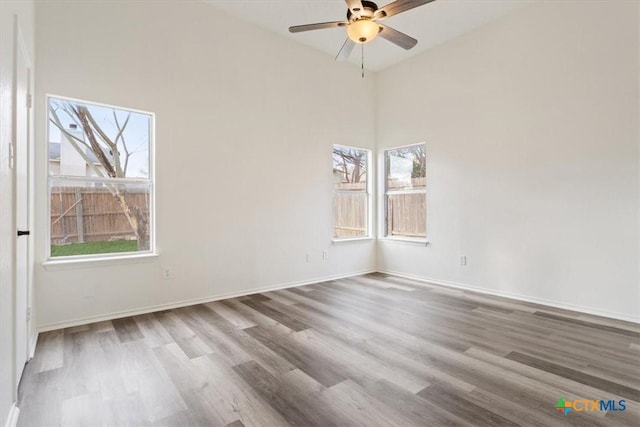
<point x="372" y="350"/>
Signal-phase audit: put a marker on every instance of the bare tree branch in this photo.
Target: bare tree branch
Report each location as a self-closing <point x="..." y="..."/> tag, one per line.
<point x="83" y="115"/>
<point x="113" y="147"/>
<point x="120" y="136"/>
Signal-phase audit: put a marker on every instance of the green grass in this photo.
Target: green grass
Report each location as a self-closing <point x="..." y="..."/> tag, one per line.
<point x="91" y="248"/>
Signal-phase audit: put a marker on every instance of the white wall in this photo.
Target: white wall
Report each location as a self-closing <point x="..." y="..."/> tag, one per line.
<point x="245" y="122"/>
<point x="532" y="132"/>
<point x="24" y="11"/>
<point x="531" y="124"/>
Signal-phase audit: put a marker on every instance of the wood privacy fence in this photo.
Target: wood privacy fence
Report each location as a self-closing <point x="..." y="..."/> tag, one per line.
<point x="350" y="215"/>
<point x="406" y="213"/>
<point x="350" y="210"/>
<point x="92" y="214"/>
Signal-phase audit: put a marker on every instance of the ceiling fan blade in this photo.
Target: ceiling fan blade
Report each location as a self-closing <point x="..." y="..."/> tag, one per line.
<point x="345" y="50"/>
<point x="399" y="6"/>
<point x="355" y="6"/>
<point x="396" y="37"/>
<point x="318" y="26"/>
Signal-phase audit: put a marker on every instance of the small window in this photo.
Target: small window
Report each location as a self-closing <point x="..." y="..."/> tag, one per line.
<point x="351" y="192"/>
<point x="405" y="200"/>
<point x="100" y="179"/>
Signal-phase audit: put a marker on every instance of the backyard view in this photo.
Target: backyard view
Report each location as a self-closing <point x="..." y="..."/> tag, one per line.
<point x="350" y="167"/>
<point x="406" y="198"/>
<point x="90" y="219"/>
<point x="99" y="182"/>
<point x="405" y="192"/>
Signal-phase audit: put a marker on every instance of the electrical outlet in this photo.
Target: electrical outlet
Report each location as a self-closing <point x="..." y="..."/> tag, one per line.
<point x="167" y="273"/>
<point x="463" y="260"/>
<point x="28" y="313"/>
<point x="325" y="255"/>
<point x="308" y="256"/>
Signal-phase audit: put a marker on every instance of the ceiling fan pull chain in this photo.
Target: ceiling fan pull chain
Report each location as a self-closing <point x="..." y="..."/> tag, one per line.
<point x="362" y="59"/>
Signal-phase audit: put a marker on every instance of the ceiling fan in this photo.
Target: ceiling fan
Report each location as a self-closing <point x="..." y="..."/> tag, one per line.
<point x="363" y="24"/>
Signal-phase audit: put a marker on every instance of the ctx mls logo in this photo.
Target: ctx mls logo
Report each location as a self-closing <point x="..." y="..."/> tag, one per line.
<point x="587" y="405"/>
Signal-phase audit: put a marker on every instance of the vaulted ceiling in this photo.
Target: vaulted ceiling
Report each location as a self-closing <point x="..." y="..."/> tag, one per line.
<point x="431" y="24"/>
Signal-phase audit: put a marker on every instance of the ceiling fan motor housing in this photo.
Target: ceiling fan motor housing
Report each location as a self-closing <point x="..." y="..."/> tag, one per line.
<point x="369" y="9"/>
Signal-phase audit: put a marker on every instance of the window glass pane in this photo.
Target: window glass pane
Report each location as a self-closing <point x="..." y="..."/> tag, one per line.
<point x="350" y="214"/>
<point x="92" y="140"/>
<point x="406" y="167"/>
<point x="350" y="168"/>
<point x="89" y="217"/>
<point x="406" y="215"/>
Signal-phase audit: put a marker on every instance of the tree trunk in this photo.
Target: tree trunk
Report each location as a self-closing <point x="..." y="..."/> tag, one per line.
<point x="138" y="220"/>
<point x="143" y="234"/>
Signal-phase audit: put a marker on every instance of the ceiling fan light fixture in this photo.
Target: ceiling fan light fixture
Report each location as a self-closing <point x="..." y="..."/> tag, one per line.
<point x="363" y="30"/>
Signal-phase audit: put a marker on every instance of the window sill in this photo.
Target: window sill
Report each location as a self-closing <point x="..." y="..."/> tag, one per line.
<point x="351" y="240"/>
<point x="405" y="240"/>
<point x="94" y="262"/>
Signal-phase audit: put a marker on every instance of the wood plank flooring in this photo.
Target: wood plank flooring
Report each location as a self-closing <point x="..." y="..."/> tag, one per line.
<point x="372" y="350"/>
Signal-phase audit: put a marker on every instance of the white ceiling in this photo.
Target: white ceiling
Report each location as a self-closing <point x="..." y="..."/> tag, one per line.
<point x="431" y="24"/>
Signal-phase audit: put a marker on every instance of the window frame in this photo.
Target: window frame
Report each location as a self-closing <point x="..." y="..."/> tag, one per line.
<point x="367" y="191"/>
<point x="384" y="192"/>
<point x="151" y="181"/>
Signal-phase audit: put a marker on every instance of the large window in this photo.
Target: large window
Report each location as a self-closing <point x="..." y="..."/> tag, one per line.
<point x="100" y="179"/>
<point x="405" y="201"/>
<point x="351" y="194"/>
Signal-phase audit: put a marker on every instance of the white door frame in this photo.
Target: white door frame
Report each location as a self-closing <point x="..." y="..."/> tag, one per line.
<point x="22" y="174"/>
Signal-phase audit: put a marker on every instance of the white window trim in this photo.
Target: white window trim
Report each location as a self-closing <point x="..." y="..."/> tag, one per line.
<point x="382" y="200"/>
<point x="54" y="263"/>
<point x="84" y="261"/>
<point x="405" y="240"/>
<point x="369" y="192"/>
<point x="351" y="240"/>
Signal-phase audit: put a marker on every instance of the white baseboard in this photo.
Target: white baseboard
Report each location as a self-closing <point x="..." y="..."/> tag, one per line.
<point x="194" y="301"/>
<point x="12" y="419"/>
<point x="185" y="303"/>
<point x="517" y="297"/>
